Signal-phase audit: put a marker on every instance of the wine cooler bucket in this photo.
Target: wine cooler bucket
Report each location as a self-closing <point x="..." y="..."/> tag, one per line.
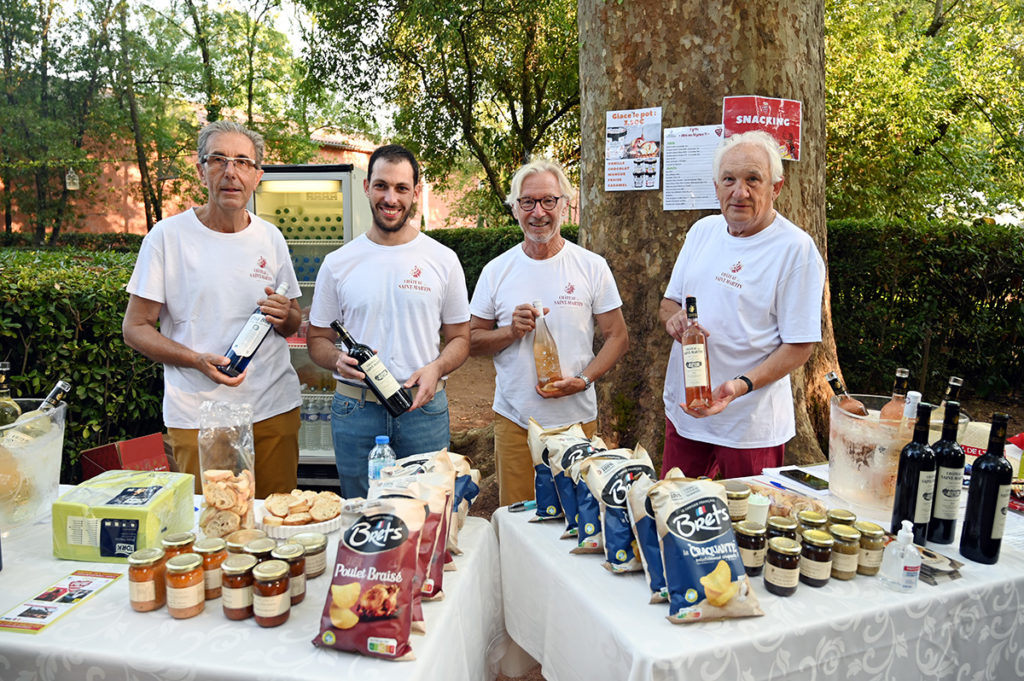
<point x="30" y="457"/>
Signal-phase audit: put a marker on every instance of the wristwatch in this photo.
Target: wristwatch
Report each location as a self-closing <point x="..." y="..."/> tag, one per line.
<point x="586" y="381"/>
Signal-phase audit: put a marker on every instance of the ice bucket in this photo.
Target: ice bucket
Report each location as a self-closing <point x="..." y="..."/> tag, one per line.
<point x="30" y="457"/>
<point x="864" y="455"/>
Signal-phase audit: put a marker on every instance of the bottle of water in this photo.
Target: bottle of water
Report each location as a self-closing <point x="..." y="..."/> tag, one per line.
<point x="313" y="425"/>
<point x="304" y="424"/>
<point x="326" y="441"/>
<point x="381" y="457"/>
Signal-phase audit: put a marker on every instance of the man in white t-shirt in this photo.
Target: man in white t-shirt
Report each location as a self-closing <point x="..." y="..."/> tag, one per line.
<point x="397" y="291"/>
<point x="576" y="288"/>
<point x="200" y="274"/>
<point x="758" y="282"/>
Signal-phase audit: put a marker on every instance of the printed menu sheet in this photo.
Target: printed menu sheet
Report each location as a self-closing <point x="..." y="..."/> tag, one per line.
<point x="688" y="154"/>
<point x="632" y="159"/>
<point x="45" y="608"/>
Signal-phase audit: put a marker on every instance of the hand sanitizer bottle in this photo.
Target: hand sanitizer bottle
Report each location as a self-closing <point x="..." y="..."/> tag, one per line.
<point x="901" y="562"/>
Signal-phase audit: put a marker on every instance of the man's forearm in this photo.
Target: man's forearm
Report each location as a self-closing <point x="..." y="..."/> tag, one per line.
<point x="453" y="355"/>
<point x="781" y="362"/>
<point x="323" y="352"/>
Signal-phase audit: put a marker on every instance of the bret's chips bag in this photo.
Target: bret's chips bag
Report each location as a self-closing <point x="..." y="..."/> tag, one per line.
<point x="646" y="531"/>
<point x="609" y="479"/>
<point x="565" y="449"/>
<point x="548" y="505"/>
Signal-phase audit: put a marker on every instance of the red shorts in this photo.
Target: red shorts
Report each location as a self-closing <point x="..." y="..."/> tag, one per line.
<point x="698" y="459"/>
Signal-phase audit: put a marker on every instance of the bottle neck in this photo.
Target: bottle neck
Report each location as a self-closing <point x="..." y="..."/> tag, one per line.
<point x="921" y="431"/>
<point x="343" y="333"/>
<point x="951" y="422"/>
<point x="997" y="437"/>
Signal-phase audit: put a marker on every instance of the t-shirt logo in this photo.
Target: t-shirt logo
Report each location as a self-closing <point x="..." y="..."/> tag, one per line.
<point x="567" y="298"/>
<point x="737" y="267"/>
<point x="416" y="272"/>
<point x="261" y="261"/>
<point x="414" y="282"/>
<point x="260" y="271"/>
<point x="570" y="288"/>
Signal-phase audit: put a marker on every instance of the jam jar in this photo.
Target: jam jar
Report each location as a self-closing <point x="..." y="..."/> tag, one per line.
<point x="782" y="568"/>
<point x="271" y="594"/>
<point x="811" y="520"/>
<point x="841" y="516"/>
<point x="315" y="545"/>
<point x="781" y="526"/>
<point x="845" y="551"/>
<point x="816" y="557"/>
<point x="239" y="538"/>
<point x="295" y="556"/>
<point x="260" y="548"/>
<point x="750" y="537"/>
<point x="236" y="590"/>
<point x="177" y="543"/>
<point x="146" y="579"/>
<point x="872" y="543"/>
<point x="737" y="494"/>
<point x="185" y="589"/>
<point x="214" y="552"/>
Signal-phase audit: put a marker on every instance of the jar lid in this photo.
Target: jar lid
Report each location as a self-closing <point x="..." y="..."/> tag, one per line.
<point x="144" y="557"/>
<point x="210" y="545"/>
<point x="749" y="528"/>
<point x="262" y="545"/>
<point x="312" y="541"/>
<point x="784" y="545"/>
<point x="811" y="518"/>
<point x="184" y="562"/>
<point x="178" y="539"/>
<point x="289" y="551"/>
<point x="238" y="564"/>
<point x="845" y="532"/>
<point x="239" y="538"/>
<point x="869" y="529"/>
<point x="781" y="522"/>
<point x="842" y="516"/>
<point x="734" y="489"/>
<point x="818" y="538"/>
<point x="270" y="570"/>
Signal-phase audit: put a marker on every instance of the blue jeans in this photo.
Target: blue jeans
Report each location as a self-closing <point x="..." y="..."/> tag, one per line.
<point x="355" y="423"/>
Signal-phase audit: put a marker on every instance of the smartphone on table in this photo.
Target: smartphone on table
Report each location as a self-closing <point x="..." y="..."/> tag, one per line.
<point x="805" y="478"/>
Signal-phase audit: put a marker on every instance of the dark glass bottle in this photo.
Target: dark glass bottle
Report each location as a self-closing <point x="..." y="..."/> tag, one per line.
<point x="987" y="498"/>
<point x="378" y="379"/>
<point x="915" y="480"/>
<point x="249" y="339"/>
<point x="949" y="478"/>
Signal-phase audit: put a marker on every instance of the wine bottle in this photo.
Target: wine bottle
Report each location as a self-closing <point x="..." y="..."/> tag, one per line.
<point x="987" y="498"/>
<point x="952" y="395"/>
<point x="31" y="424"/>
<point x="915" y="480"/>
<point x="249" y="339"/>
<point x="846" y="403"/>
<point x="395" y="398"/>
<point x="545" y="352"/>
<point x="949" y="478"/>
<point x="9" y="409"/>
<point x="893" y="409"/>
<point x="696" y="369"/>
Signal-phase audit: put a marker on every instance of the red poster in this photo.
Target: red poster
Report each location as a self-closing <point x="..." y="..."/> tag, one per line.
<point x="780" y="118"/>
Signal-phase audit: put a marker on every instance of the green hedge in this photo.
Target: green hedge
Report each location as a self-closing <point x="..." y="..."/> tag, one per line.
<point x="126" y="243"/>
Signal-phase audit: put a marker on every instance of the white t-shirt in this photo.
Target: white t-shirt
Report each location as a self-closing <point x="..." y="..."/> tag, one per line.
<point x="576" y="284"/>
<point x="392" y="298"/>
<point x="208" y="283"/>
<point x="753" y="294"/>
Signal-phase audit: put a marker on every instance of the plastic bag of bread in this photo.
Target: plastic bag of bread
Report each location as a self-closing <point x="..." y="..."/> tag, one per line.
<point x="548" y="505"/>
<point x="226" y="458"/>
<point x="609" y="480"/>
<point x="565" y="449"/>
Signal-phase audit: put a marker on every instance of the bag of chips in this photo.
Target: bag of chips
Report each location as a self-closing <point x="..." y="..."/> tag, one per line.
<point x="703" y="569"/>
<point x="641" y="515"/>
<point x="589" y="536"/>
<point x="548" y="505"/>
<point x="609" y="479"/>
<point x="564" y="449"/>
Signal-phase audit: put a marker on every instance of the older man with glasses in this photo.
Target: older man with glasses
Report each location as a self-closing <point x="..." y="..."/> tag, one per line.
<point x="199" y="275"/>
<point x="577" y="289"/>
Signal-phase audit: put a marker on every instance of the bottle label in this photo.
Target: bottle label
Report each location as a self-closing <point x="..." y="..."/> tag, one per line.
<point x="999" y="519"/>
<point x="908" y="577"/>
<point x="695" y="360"/>
<point x="251" y="334"/>
<point x="946" y="505"/>
<point x="381" y="377"/>
<point x="925" y="491"/>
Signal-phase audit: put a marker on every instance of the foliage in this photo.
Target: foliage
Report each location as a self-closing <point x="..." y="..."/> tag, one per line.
<point x="485" y="82"/>
<point x="925" y="107"/>
<point x="939" y="299"/>
<point x="122" y="242"/>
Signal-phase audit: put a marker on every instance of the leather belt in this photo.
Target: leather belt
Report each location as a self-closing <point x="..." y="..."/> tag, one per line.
<point x="364" y="394"/>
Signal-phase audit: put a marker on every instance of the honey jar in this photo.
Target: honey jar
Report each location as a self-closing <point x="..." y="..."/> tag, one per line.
<point x="750" y="537"/>
<point x="782" y="566"/>
<point x="737" y="494"/>
<point x="214" y="552"/>
<point x="845" y="551"/>
<point x="315" y="545"/>
<point x="295" y="556"/>
<point x="811" y="520"/>
<point x="271" y="598"/>
<point x="186" y="594"/>
<point x="872" y="543"/>
<point x="840" y="516"/>
<point x="780" y="526"/>
<point x="236" y="590"/>
<point x="816" y="557"/>
<point x="146" y="579"/>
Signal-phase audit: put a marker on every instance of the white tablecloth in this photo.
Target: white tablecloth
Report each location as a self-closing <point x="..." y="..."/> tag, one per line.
<point x="103" y="639"/>
<point x="582" y="622"/>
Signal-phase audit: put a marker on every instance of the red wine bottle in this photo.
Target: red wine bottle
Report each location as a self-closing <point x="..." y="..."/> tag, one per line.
<point x="987" y="499"/>
<point x="249" y="339"/>
<point x="377" y="378"/>
<point x="949" y="479"/>
<point x="915" y="480"/>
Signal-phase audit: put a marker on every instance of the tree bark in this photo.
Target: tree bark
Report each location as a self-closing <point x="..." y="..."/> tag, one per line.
<point x="684" y="56"/>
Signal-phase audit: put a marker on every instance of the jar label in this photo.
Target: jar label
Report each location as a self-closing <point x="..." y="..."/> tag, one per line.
<point x="316" y="563"/>
<point x="753" y="557"/>
<point x="946" y="504"/>
<point x="187" y="597"/>
<point x="271" y="606"/>
<point x="738" y="508"/>
<point x="925" y="491"/>
<point x="142" y="592"/>
<point x="999" y="519"/>
<point x="212" y="579"/>
<point x="844" y="562"/>
<point x="297" y="585"/>
<point x="870" y="558"/>
<point x="815" y="569"/>
<point x="781" y="577"/>
<point x="236" y="599"/>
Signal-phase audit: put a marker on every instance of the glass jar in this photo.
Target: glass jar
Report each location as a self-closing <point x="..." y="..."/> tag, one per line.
<point x="811" y="520"/>
<point x="177" y="543"/>
<point x="782" y="566"/>
<point x="840" y="516"/>
<point x="295" y="556"/>
<point x="147" y="580"/>
<point x="185" y="589"/>
<point x="260" y="548"/>
<point x="816" y="557"/>
<point x="872" y="543"/>
<point x="214" y="552"/>
<point x="271" y="598"/>
<point x="845" y="551"/>
<point x="236" y="591"/>
<point x="315" y="545"/>
<point x="737" y="494"/>
<point x="239" y="538"/>
<point x="780" y="526"/>
<point x="750" y="537"/>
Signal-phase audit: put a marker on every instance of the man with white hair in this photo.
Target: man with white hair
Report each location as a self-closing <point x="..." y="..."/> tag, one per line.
<point x="758" y="281"/>
<point x="577" y="288"/>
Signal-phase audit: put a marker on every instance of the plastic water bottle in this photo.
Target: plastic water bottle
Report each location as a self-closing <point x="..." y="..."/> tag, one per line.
<point x="313" y="425"/>
<point x="326" y="441"/>
<point x="381" y="457"/>
<point x="304" y="424"/>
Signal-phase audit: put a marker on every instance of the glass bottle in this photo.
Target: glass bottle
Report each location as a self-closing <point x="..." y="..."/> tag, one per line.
<point x="915" y="480"/>
<point x="696" y="370"/>
<point x="987" y="498"/>
<point x="9" y="409"/>
<point x="846" y="403"/>
<point x="952" y="395"/>
<point x="893" y="409"/>
<point x="395" y="398"/>
<point x="545" y="352"/>
<point x="28" y="427"/>
<point x="381" y="457"/>
<point x="901" y="562"/>
<point x="249" y="339"/>
<point x="949" y="477"/>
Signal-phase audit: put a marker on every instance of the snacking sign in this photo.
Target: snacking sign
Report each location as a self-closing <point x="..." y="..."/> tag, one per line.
<point x="780" y="118"/>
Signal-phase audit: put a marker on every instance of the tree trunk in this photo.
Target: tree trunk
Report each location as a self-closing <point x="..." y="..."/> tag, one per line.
<point x="685" y="56"/>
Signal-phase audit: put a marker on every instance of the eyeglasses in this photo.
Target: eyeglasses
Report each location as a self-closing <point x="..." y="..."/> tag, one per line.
<point x="219" y="162"/>
<point x="547" y="202"/>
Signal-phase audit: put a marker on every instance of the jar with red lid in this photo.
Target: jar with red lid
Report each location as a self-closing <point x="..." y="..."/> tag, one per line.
<point x="236" y="588"/>
<point x="295" y="556"/>
<point x="177" y="543"/>
<point x="214" y="552"/>
<point x="271" y="598"/>
<point x="147" y="580"/>
<point x="186" y="594"/>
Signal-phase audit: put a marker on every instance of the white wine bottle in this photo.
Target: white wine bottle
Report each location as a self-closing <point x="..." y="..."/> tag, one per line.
<point x="249" y="339"/>
<point x="9" y="409"/>
<point x="32" y="424"/>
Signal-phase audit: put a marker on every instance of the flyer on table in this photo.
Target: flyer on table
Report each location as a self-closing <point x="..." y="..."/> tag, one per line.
<point x="688" y="153"/>
<point x="632" y="160"/>
<point x="47" y="606"/>
<point x="780" y="118"/>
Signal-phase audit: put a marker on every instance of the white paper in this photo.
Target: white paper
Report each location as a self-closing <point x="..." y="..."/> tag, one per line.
<point x="688" y="153"/>
<point x="632" y="159"/>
